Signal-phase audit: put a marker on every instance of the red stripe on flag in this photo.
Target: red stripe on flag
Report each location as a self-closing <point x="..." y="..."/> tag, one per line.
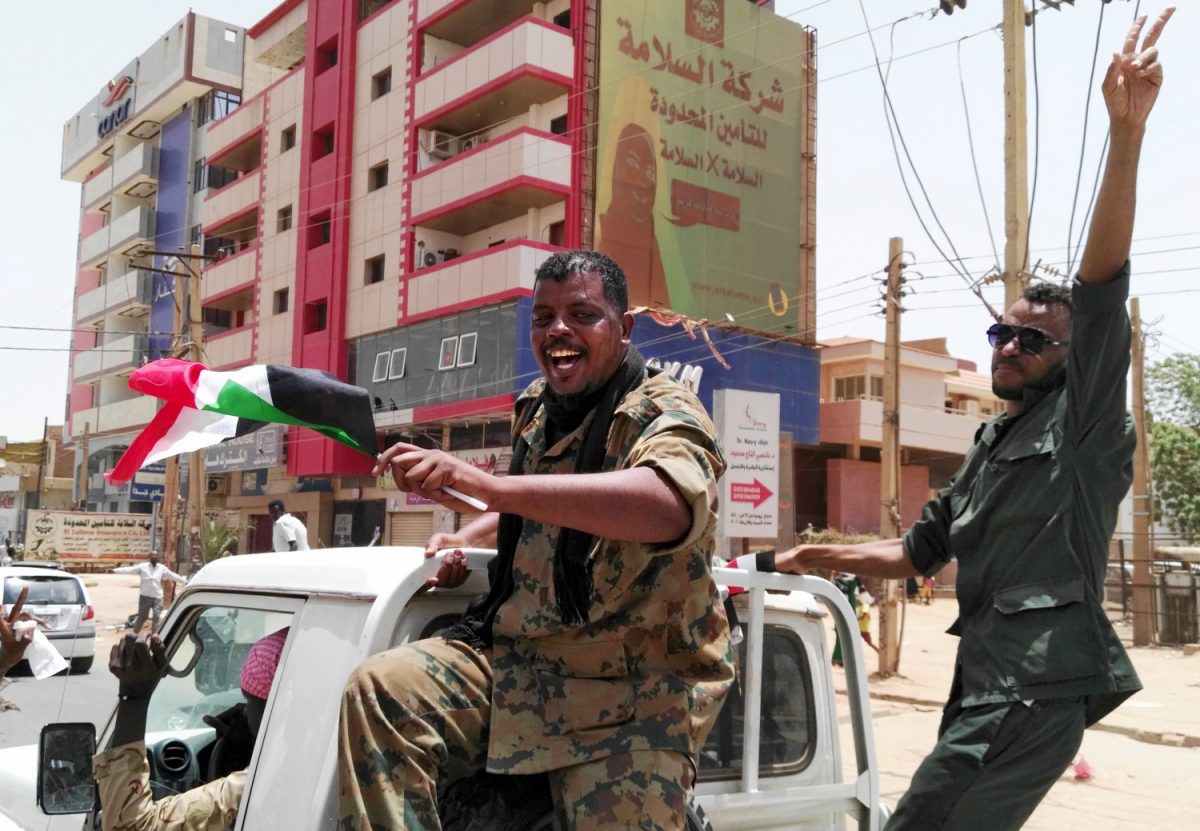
<point x="170" y="379"/>
<point x="131" y="462"/>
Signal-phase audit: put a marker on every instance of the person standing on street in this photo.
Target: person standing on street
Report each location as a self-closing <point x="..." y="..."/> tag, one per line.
<point x="289" y="533"/>
<point x="1029" y="516"/>
<point x="150" y="592"/>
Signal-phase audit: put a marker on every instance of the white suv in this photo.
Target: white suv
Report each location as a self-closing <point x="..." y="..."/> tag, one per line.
<point x="59" y="600"/>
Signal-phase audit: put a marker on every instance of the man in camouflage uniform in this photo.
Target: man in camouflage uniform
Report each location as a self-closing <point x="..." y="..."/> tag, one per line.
<point x="601" y="655"/>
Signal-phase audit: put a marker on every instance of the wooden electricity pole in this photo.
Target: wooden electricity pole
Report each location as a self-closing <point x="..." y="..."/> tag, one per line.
<point x="1016" y="154"/>
<point x="197" y="481"/>
<point x="889" y="503"/>
<point x="170" y="498"/>
<point x="1143" y="623"/>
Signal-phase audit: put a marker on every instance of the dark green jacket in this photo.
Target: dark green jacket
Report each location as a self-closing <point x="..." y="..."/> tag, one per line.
<point x="1029" y="516"/>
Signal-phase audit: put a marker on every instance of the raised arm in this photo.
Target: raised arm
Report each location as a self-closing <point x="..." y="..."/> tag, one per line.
<point x="1130" y="89"/>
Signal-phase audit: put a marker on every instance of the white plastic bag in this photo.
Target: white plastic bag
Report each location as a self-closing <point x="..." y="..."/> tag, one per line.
<point x="44" y="660"/>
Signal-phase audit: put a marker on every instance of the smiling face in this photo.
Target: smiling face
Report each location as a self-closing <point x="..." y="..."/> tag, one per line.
<point x="1014" y="370"/>
<point x="578" y="338"/>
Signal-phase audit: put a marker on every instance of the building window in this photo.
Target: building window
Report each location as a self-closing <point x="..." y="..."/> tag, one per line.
<point x="196" y="235"/>
<point x="377" y="177"/>
<point x="373" y="271"/>
<point x="563" y="19"/>
<point x="287" y="139"/>
<point x="449" y="353"/>
<point x="320" y="230"/>
<point x="366" y="8"/>
<point x="322" y="142"/>
<point x="216" y="104"/>
<point x="466" y="349"/>
<point x="316" y="317"/>
<point x="198" y="170"/>
<point x="380" y="372"/>
<point x="283" y="219"/>
<point x="399" y="359"/>
<point x="327" y="56"/>
<point x="558" y="125"/>
<point x="279" y="303"/>
<point x="381" y="83"/>
<point x="205" y="176"/>
<point x="556" y="233"/>
<point x="855" y="387"/>
<point x="219" y="318"/>
<point x="458" y="350"/>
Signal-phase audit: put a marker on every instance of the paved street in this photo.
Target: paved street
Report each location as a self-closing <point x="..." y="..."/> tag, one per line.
<point x="1145" y="755"/>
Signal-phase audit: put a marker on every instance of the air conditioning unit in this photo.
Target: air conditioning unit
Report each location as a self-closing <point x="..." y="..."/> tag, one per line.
<point x="471" y="142"/>
<point x="216" y="485"/>
<point x="442" y="145"/>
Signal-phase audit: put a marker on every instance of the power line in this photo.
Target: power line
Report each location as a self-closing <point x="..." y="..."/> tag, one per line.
<point x="1083" y="140"/>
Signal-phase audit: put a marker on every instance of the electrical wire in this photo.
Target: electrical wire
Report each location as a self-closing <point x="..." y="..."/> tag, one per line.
<point x="962" y="88"/>
<point x="1083" y="140"/>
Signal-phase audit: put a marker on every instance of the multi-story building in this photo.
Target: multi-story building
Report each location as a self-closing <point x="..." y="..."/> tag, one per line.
<point x="397" y="170"/>
<point x="135" y="149"/>
<point x="943" y="402"/>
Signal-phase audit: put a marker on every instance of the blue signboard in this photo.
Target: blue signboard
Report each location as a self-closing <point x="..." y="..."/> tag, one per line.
<point x="149" y="483"/>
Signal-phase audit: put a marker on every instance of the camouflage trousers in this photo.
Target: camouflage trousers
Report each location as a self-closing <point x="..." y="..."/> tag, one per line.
<point x="421" y="711"/>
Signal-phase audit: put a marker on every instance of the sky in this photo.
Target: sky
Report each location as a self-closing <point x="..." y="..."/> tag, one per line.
<point x="56" y="66"/>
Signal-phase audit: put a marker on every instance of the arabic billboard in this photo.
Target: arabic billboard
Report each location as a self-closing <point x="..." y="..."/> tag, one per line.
<point x="72" y="535"/>
<point x="700" y="171"/>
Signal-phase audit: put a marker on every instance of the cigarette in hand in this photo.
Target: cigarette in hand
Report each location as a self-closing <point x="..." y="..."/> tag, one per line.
<point x="470" y="500"/>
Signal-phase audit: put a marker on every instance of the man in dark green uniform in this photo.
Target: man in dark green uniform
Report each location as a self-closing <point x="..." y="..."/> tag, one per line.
<point x="1029" y="516"/>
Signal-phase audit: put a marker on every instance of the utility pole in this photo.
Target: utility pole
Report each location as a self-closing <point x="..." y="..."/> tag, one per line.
<point x="197" y="481"/>
<point x="1143" y="623"/>
<point x="889" y="503"/>
<point x="1016" y="153"/>
<point x="170" y="500"/>
<point x="85" y="446"/>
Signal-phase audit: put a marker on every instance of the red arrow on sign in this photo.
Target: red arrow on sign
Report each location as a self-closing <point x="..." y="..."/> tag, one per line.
<point x="756" y="493"/>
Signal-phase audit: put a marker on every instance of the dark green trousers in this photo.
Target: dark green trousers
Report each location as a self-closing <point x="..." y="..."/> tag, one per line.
<point x="991" y="766"/>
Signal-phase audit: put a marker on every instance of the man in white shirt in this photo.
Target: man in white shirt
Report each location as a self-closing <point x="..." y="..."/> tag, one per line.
<point x="150" y="592"/>
<point x="289" y="533"/>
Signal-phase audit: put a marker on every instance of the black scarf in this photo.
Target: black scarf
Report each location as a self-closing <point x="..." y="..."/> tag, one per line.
<point x="572" y="569"/>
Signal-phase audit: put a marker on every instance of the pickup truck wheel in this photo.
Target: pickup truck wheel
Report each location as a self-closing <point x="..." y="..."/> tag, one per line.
<point x="81" y="666"/>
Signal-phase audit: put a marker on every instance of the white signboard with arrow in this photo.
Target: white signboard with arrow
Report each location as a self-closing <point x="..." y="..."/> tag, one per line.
<point x="748" y="425"/>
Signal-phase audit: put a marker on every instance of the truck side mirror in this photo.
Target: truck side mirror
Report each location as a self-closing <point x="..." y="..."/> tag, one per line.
<point x="65" y="784"/>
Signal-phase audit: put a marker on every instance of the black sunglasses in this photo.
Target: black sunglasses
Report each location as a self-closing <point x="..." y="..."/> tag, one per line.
<point x="1032" y="341"/>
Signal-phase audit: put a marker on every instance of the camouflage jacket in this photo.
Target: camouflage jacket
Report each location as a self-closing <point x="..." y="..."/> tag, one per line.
<point x="123" y="777"/>
<point x="652" y="667"/>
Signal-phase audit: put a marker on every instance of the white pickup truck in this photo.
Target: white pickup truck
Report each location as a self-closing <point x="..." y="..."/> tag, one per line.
<point x="773" y="760"/>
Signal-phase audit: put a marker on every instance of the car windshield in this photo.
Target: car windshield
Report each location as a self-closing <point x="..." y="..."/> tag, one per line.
<point x="50" y="589"/>
<point x="205" y="671"/>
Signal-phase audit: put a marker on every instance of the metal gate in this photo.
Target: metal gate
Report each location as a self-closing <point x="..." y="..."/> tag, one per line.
<point x="410" y="528"/>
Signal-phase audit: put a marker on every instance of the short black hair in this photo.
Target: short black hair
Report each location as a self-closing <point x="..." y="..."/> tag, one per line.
<point x="1048" y="293"/>
<point x="563" y="264"/>
<point x="275" y="503"/>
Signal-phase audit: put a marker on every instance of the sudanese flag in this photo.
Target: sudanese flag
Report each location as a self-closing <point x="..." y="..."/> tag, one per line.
<point x="204" y="408"/>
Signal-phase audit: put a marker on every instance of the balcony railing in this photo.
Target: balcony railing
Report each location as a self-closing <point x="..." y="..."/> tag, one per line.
<point x="131" y="230"/>
<point x="493" y="183"/>
<point x="121" y="354"/>
<point x="129" y="413"/>
<point x="497" y="79"/>
<point x="469" y="278"/>
<point x="129" y="294"/>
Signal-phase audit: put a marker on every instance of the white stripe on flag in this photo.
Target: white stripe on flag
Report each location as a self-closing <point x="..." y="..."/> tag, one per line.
<point x="253" y="378"/>
<point x="193" y="430"/>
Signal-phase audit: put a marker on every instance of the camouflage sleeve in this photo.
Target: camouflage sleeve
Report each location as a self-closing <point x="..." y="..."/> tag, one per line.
<point x="684" y="450"/>
<point x="123" y="777"/>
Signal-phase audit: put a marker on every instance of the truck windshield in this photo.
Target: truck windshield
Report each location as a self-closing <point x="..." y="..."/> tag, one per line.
<point x="204" y="676"/>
